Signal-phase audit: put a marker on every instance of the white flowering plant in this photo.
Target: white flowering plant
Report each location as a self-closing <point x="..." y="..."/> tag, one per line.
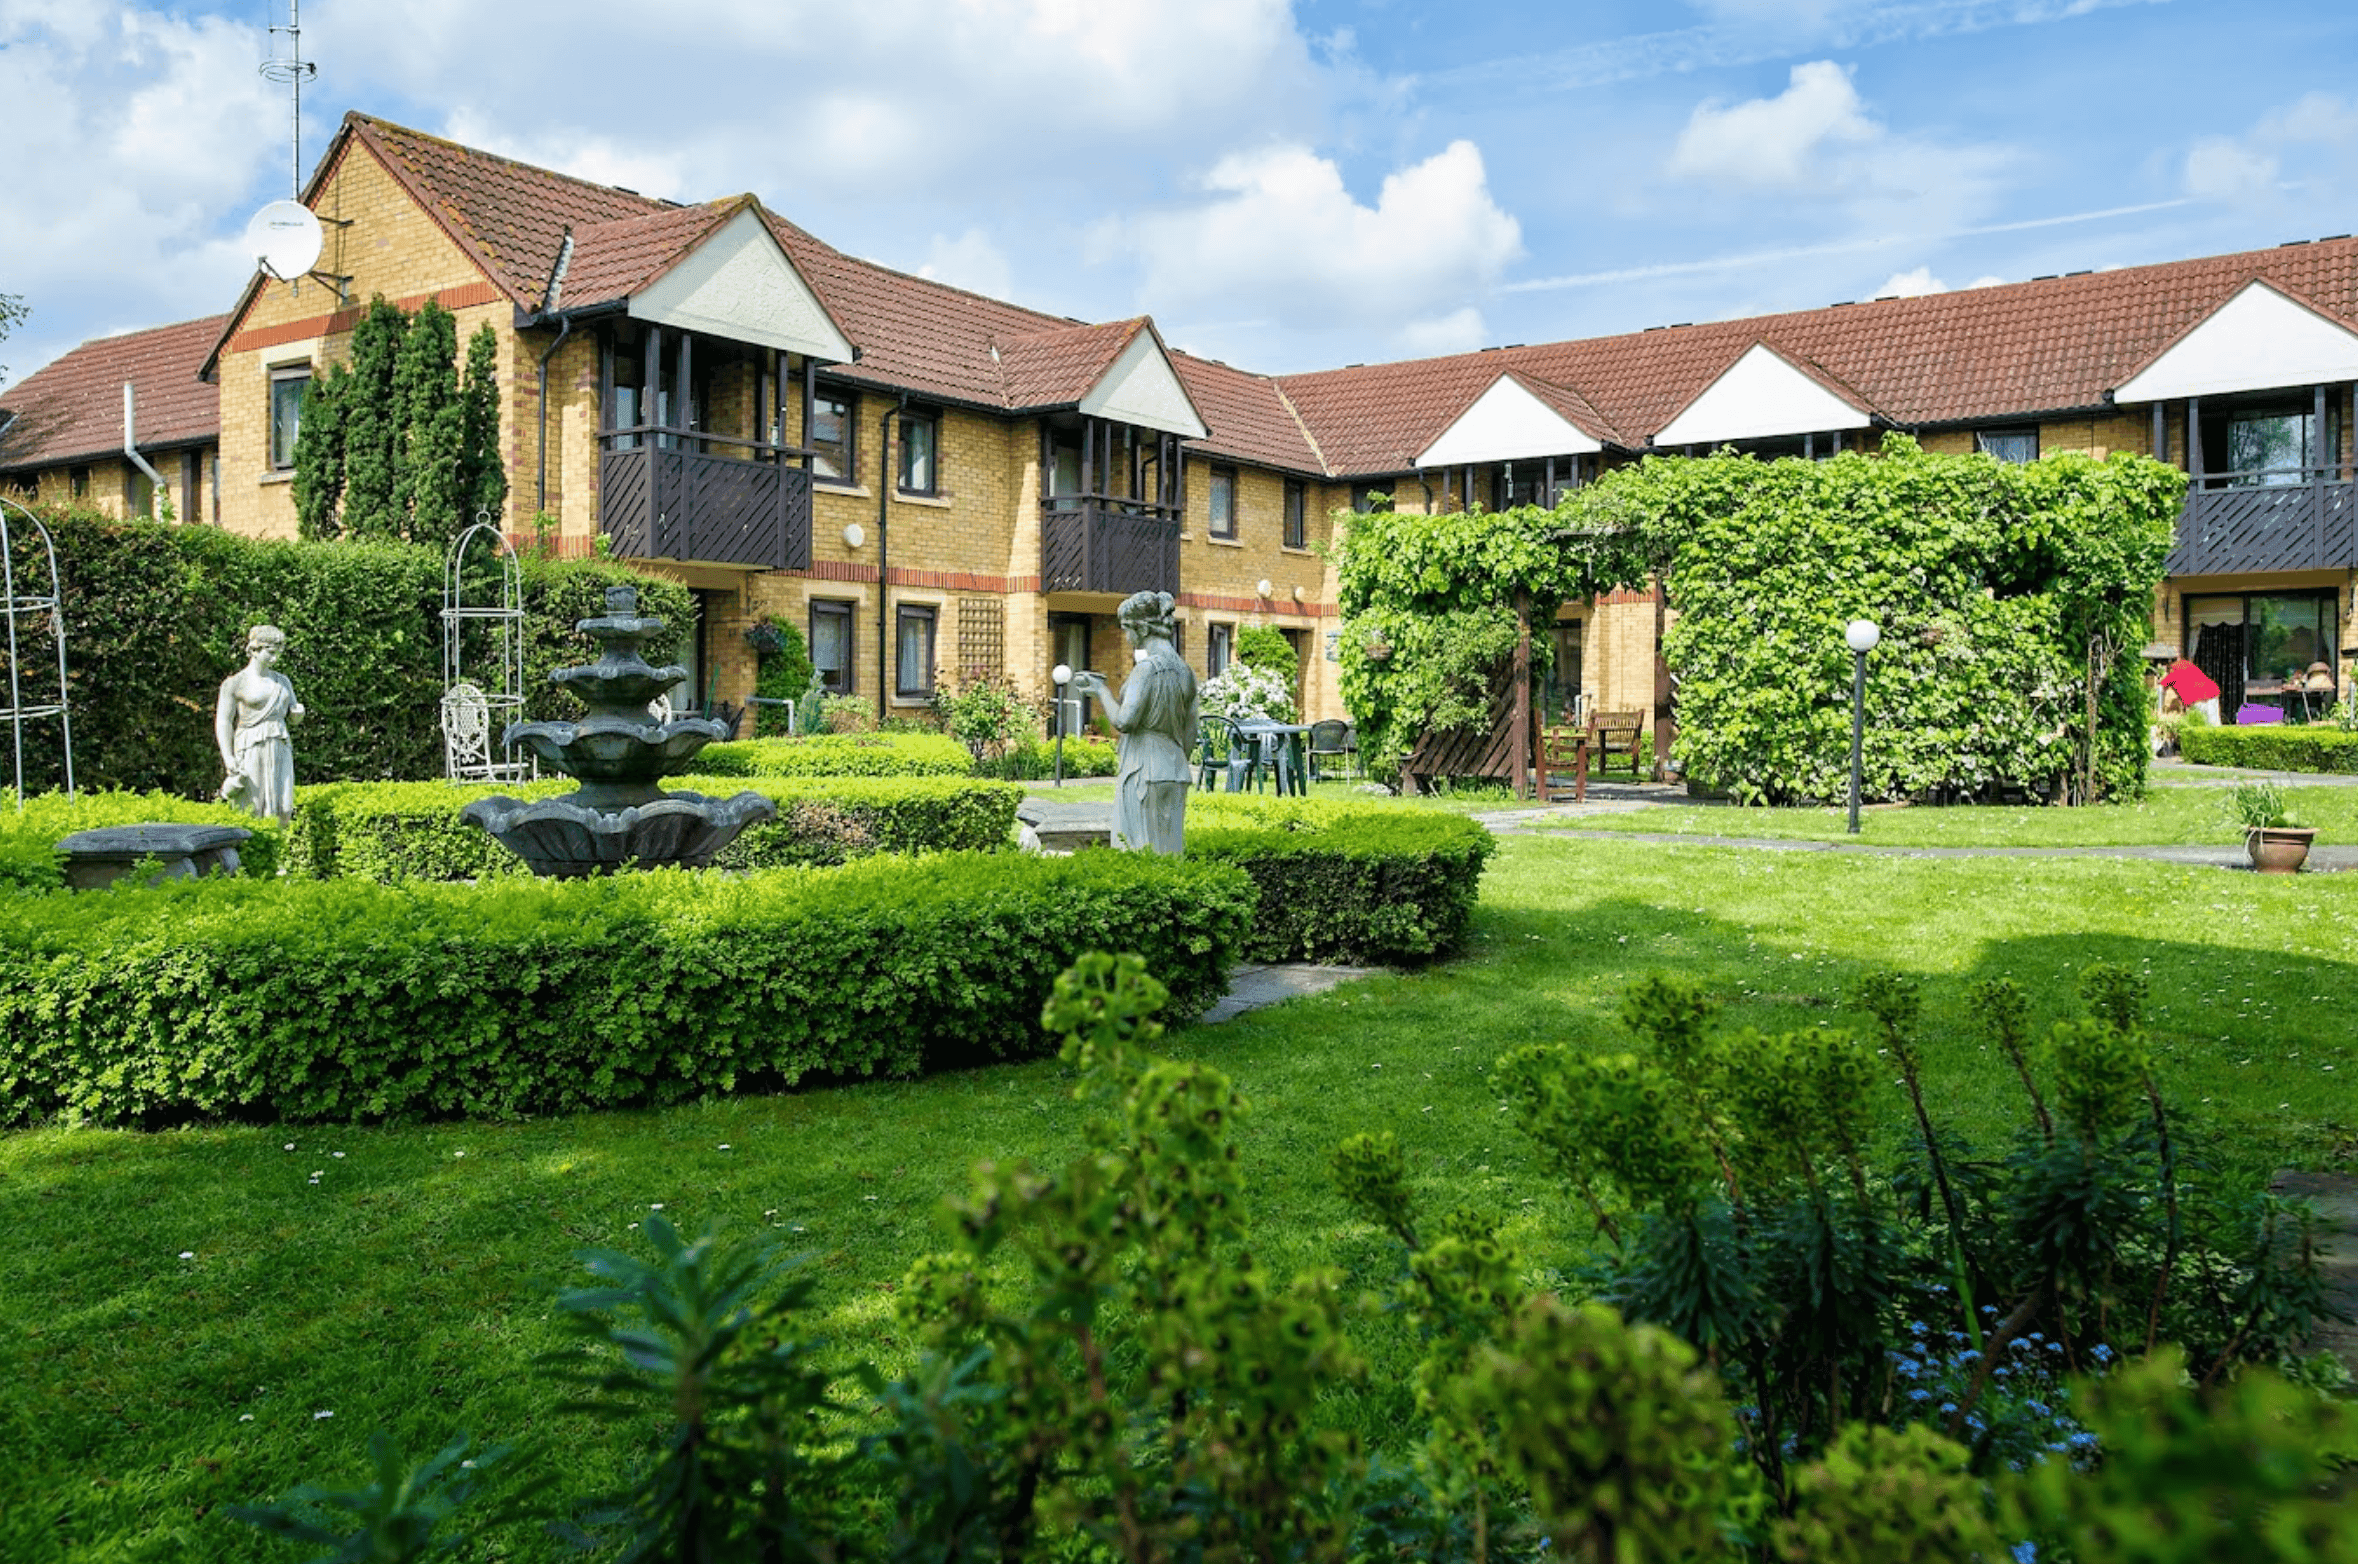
<point x="1243" y="692"/>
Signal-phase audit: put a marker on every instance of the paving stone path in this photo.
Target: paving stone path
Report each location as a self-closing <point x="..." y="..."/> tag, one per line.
<point x="1254" y="987"/>
<point x="2335" y="1198"/>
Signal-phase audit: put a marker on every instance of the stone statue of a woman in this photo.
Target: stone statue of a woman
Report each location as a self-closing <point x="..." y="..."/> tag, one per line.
<point x="1156" y="717"/>
<point x="250" y="723"/>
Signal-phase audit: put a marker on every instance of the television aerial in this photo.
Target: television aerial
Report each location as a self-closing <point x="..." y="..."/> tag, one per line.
<point x="284" y="239"/>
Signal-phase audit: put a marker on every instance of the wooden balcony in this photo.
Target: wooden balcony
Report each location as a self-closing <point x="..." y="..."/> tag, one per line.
<point x="662" y="495"/>
<point x="1096" y="543"/>
<point x="2235" y="525"/>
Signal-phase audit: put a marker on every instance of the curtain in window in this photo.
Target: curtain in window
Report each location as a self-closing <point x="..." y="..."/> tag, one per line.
<point x="831" y="646"/>
<point x="913" y="673"/>
<point x="917" y="455"/>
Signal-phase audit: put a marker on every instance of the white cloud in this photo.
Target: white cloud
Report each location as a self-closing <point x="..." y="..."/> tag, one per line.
<point x="1910" y="285"/>
<point x="2222" y="170"/>
<point x="1459" y="331"/>
<point x="1991" y="281"/>
<point x="969" y="261"/>
<point x="1775" y="142"/>
<point x="2306" y="149"/>
<point x="138" y="144"/>
<point x="1282" y="233"/>
<point x="795" y="97"/>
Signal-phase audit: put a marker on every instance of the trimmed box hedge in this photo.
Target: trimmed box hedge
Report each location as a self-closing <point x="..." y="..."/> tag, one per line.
<point x="389" y="831"/>
<point x="2270" y="748"/>
<point x="29" y="859"/>
<point x="346" y="1000"/>
<point x="839" y="755"/>
<point x="1357" y="883"/>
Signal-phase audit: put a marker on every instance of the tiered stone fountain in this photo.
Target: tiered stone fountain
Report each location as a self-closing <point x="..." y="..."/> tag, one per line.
<point x="618" y="816"/>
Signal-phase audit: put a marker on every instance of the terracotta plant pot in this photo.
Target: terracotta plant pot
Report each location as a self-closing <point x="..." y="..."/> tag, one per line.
<point x="2279" y="849"/>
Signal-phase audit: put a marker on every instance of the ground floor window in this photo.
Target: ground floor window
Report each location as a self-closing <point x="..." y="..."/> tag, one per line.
<point x="913" y="647"/>
<point x="1560" y="692"/>
<point x="831" y="645"/>
<point x="1219" y="646"/>
<point x="2260" y="646"/>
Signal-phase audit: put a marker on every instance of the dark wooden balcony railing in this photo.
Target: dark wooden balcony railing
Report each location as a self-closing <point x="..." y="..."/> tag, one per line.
<point x="1098" y="543"/>
<point x="666" y="495"/>
<point x="2233" y="523"/>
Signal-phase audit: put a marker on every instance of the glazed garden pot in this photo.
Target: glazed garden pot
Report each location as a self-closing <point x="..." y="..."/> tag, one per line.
<point x="2279" y="849"/>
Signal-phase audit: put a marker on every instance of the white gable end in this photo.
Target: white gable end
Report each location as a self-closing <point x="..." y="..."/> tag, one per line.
<point x="738" y="284"/>
<point x="2257" y="341"/>
<point x="1140" y="387"/>
<point x="1761" y="396"/>
<point x="1506" y="424"/>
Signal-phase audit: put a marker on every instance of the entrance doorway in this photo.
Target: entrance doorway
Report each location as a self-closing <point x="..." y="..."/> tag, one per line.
<point x="1068" y="642"/>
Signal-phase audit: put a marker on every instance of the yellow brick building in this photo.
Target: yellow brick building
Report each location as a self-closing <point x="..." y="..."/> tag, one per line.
<point x="934" y="485"/>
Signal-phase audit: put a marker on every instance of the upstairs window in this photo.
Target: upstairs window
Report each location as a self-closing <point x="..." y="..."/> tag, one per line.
<point x="920" y="453"/>
<point x="286" y="414"/>
<point x="2008" y="445"/>
<point x="830" y="437"/>
<point x="1223" y="502"/>
<point x="1297" y="526"/>
<point x="2269" y="448"/>
<point x="1366" y="497"/>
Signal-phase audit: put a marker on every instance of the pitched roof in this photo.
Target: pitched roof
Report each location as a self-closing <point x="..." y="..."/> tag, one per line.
<point x="1057" y="368"/>
<point x="1250" y="417"/>
<point x="510" y="217"/>
<point x="2051" y="345"/>
<point x="73" y="407"/>
<point x="613" y="260"/>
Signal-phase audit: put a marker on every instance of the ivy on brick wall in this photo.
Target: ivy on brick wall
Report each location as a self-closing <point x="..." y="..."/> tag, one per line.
<point x="395" y="444"/>
<point x="156" y="618"/>
<point x="2011" y="598"/>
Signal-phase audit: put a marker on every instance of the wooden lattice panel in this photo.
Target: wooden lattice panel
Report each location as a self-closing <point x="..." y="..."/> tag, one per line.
<point x="982" y="638"/>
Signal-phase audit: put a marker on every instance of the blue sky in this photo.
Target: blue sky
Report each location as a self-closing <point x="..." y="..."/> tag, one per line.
<point x="1282" y="186"/>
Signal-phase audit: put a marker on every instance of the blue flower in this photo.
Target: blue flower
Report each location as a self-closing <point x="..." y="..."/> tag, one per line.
<point x="2103" y="1353"/>
<point x="1969" y="1356"/>
<point x="1948" y="1406"/>
<point x="2037" y="1409"/>
<point x="1919" y="1395"/>
<point x="2026" y="1553"/>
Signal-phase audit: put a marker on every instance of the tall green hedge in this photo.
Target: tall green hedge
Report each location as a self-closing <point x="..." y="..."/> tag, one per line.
<point x="390" y="831"/>
<point x="1991" y="581"/>
<point x="346" y="1000"/>
<point x="2272" y="747"/>
<point x="156" y="618"/>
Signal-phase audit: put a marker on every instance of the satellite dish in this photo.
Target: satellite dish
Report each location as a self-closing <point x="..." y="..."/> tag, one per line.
<point x="284" y="239"/>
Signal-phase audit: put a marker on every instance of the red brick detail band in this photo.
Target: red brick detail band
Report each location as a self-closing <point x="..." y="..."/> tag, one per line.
<point x="344" y="320"/>
<point x="1255" y="605"/>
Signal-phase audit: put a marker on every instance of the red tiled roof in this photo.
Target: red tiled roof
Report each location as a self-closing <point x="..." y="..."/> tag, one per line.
<point x="509" y="216"/>
<point x="73" y="407"/>
<point x="1058" y="368"/>
<point x="2051" y="345"/>
<point x="613" y="260"/>
<point x="1248" y="415"/>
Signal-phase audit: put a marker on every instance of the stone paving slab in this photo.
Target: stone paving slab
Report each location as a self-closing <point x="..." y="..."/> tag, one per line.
<point x="1253" y="987"/>
<point x="2335" y="1198"/>
<point x="2176" y="773"/>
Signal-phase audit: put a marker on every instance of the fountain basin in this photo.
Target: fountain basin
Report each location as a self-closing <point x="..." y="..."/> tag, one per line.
<point x="561" y="839"/>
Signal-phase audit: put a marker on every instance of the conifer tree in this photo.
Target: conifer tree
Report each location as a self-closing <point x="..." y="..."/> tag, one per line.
<point x="483" y="476"/>
<point x="372" y="425"/>
<point x="430" y="443"/>
<point x="319" y="456"/>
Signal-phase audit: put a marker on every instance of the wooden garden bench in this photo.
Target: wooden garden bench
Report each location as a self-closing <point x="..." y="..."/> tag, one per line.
<point x="1622" y="733"/>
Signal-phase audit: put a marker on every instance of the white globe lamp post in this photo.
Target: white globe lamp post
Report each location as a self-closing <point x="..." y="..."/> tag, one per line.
<point x="1863" y="636"/>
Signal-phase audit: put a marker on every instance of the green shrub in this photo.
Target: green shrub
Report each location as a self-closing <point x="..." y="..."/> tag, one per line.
<point x="346" y="1000"/>
<point x="785" y="671"/>
<point x="1034" y="759"/>
<point x="840" y="755"/>
<point x="389" y="831"/>
<point x="28" y="839"/>
<point x="2271" y="748"/>
<point x="1265" y="647"/>
<point x="1346" y="882"/>
<point x="156" y="617"/>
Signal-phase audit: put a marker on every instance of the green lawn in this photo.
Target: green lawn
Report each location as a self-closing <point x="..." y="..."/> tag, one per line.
<point x="2165" y="816"/>
<point x="407" y="1287"/>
